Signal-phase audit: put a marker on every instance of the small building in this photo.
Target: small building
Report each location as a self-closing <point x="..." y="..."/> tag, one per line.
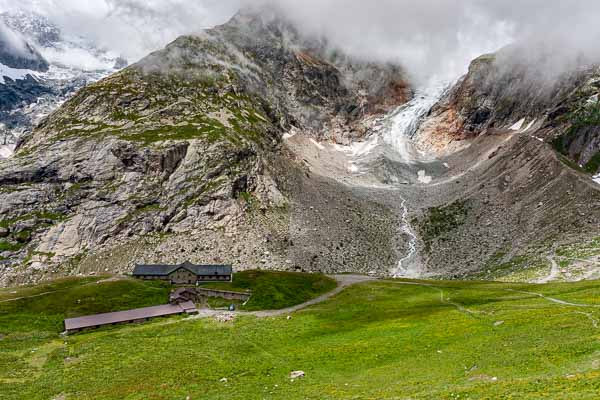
<point x="184" y="274"/>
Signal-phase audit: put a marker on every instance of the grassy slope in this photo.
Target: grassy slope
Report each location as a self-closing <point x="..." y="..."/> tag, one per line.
<point x="73" y="297"/>
<point x="29" y="326"/>
<point x="276" y="290"/>
<point x="373" y="341"/>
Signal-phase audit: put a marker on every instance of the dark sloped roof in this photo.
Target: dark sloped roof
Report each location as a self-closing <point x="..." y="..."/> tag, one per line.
<point x="163" y="270"/>
<point x="152" y="269"/>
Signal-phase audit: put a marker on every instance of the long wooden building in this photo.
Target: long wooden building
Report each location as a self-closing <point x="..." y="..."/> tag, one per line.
<point x="184" y="274"/>
<point x="79" y="324"/>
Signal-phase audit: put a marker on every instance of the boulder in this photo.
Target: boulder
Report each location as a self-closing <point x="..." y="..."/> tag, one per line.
<point x="297" y="374"/>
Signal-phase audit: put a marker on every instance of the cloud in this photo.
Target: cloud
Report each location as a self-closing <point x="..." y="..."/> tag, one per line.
<point x="132" y="28"/>
<point x="428" y="37"/>
<point x="440" y="37"/>
<point x="14" y="42"/>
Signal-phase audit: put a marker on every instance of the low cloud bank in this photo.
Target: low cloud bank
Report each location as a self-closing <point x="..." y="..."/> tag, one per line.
<point x="428" y="37"/>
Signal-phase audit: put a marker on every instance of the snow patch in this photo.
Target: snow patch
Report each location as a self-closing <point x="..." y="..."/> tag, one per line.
<point x="290" y="134"/>
<point x="14" y="73"/>
<point x="518" y="125"/>
<point x="7" y="150"/>
<point x="319" y="145"/>
<point x="423" y="177"/>
<point x="596" y="179"/>
<point x="358" y="149"/>
<point x="363" y="148"/>
<point x="528" y="127"/>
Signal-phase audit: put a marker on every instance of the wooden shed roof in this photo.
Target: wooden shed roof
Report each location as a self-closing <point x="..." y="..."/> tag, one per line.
<point x="129" y="315"/>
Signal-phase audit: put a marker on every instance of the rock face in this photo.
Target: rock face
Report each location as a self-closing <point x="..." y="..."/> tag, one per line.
<point x="33" y="26"/>
<point x="179" y="156"/>
<point x="532" y="143"/>
<point x="509" y="91"/>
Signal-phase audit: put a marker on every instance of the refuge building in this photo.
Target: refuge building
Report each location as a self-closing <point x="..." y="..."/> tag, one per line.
<point x="184" y="274"/>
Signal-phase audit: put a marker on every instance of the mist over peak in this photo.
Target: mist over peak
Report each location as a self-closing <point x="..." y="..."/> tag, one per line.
<point x="429" y="37"/>
<point x="432" y="38"/>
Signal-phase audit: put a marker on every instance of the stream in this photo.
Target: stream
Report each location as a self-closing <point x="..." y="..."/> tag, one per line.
<point x="399" y="130"/>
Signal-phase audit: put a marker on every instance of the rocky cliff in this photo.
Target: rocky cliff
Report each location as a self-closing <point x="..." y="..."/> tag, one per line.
<point x="254" y="144"/>
<point x="532" y="139"/>
<point x="179" y="157"/>
<point x="511" y="91"/>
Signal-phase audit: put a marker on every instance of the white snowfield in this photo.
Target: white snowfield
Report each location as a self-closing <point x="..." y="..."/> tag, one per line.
<point x="6" y="150"/>
<point x="423" y="177"/>
<point x="519" y="126"/>
<point x="14" y="73"/>
<point x="357" y="149"/>
<point x="67" y="63"/>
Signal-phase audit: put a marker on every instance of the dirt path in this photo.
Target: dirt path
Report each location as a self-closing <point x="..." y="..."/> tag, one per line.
<point x="31" y="297"/>
<point x="554" y="271"/>
<point x="443" y="297"/>
<point x="553" y="300"/>
<point x="343" y="281"/>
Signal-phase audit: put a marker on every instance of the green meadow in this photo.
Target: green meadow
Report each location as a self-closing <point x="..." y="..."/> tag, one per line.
<point x="377" y="340"/>
<point x="275" y="290"/>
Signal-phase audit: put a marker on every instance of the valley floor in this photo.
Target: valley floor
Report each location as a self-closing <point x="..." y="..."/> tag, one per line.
<point x="390" y="339"/>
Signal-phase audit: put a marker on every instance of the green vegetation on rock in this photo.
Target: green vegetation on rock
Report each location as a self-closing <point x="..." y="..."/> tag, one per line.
<point x="583" y="118"/>
<point x="9" y="246"/>
<point x="16" y="240"/>
<point x="440" y="221"/>
<point x="38" y="215"/>
<point x="588" y="115"/>
<point x="148" y="107"/>
<point x="517" y="269"/>
<point x="593" y="165"/>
